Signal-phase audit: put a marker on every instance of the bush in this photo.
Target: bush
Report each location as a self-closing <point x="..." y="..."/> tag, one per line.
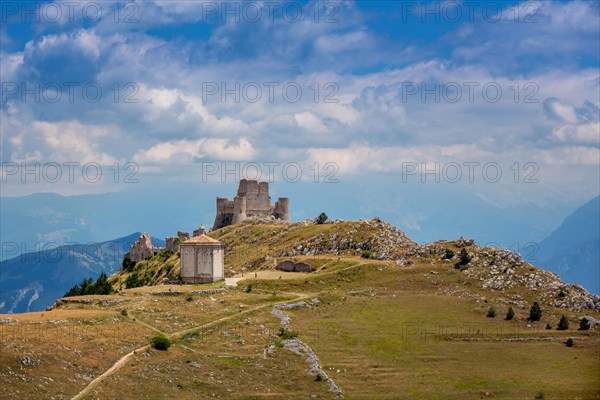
<point x="569" y="342"/>
<point x="322" y="218"/>
<point x="160" y="342"/>
<point x="319" y="378"/>
<point x="448" y="254"/>
<point x="584" y="324"/>
<point x="491" y="313"/>
<point x="548" y="326"/>
<point x="124" y="312"/>
<point x="463" y="259"/>
<point x="563" y="324"/>
<point x="189" y="298"/>
<point x="365" y="254"/>
<point x="285" y="333"/>
<point x="127" y="264"/>
<point x="168" y="268"/>
<point x="164" y="255"/>
<point x="133" y="281"/>
<point x="248" y="288"/>
<point x="510" y="314"/>
<point x="535" y="312"/>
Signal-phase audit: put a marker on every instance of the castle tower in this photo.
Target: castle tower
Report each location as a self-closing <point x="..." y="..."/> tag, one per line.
<point x="239" y="210"/>
<point x="252" y="200"/>
<point x="282" y="209"/>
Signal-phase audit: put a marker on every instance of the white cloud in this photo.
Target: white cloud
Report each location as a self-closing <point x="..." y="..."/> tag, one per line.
<point x="183" y="152"/>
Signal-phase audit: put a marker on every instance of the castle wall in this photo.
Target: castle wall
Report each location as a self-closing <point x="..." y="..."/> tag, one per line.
<point x="252" y="200"/>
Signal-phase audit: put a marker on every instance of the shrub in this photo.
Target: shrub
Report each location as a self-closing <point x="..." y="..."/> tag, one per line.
<point x="189" y="298"/>
<point x="561" y="295"/>
<point x="463" y="259"/>
<point x="510" y="314"/>
<point x="124" y="312"/>
<point x="563" y="324"/>
<point x="127" y="264"/>
<point x="285" y="333"/>
<point x="535" y="312"/>
<point x="548" y="326"/>
<point x="133" y="281"/>
<point x="569" y="342"/>
<point x="164" y="255"/>
<point x="322" y="218"/>
<point x="168" y="268"/>
<point x="448" y="254"/>
<point x="491" y="313"/>
<point x="319" y="378"/>
<point x="248" y="288"/>
<point x="160" y="342"/>
<point x="539" y="396"/>
<point x="584" y="324"/>
<point x="365" y="254"/>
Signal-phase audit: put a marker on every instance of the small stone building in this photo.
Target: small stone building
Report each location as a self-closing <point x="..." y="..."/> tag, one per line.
<point x="202" y="259"/>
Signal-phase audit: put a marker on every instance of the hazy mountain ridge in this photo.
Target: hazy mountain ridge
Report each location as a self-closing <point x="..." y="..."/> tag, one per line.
<point x="33" y="281"/>
<point x="573" y="249"/>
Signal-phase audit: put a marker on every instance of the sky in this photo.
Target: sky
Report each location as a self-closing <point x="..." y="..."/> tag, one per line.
<point x="497" y="99"/>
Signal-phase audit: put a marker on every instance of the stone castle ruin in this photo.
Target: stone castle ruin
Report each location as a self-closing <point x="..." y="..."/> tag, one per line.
<point x="142" y="249"/>
<point x="252" y="200"/>
<point x="202" y="257"/>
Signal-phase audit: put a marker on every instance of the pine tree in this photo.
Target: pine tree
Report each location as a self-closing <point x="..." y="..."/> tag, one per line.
<point x="563" y="324"/>
<point x="510" y="313"/>
<point x="535" y="312"/>
<point x="584" y="324"/>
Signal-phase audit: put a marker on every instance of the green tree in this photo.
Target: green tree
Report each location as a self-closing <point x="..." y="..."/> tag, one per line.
<point x="127" y="264"/>
<point x="569" y="342"/>
<point x="535" y="312"/>
<point x="463" y="259"/>
<point x="563" y="324"/>
<point x="584" y="324"/>
<point x="160" y="342"/>
<point x="133" y="281"/>
<point x="510" y="314"/>
<point x="322" y="218"/>
<point x="448" y="254"/>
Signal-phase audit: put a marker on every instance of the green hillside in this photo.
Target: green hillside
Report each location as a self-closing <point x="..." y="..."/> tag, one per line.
<point x="379" y="317"/>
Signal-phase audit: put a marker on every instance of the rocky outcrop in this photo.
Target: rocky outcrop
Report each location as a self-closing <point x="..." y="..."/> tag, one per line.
<point x="382" y="240"/>
<point x="502" y="270"/>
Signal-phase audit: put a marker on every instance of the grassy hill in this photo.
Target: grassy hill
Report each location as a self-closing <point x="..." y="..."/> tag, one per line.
<point x="408" y="322"/>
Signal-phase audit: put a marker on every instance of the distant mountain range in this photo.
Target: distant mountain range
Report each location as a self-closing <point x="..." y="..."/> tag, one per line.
<point x="573" y="249"/>
<point x="35" y="280"/>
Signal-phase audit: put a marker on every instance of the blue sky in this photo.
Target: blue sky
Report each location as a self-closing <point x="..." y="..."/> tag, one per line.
<point x="386" y="87"/>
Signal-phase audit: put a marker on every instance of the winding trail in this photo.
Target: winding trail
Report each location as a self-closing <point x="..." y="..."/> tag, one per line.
<point x="123" y="360"/>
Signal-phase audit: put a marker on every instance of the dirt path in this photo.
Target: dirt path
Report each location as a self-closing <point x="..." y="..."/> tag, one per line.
<point x="112" y="369"/>
<point x="123" y="360"/>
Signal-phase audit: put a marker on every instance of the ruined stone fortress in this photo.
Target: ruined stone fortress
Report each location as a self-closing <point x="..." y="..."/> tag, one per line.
<point x="252" y="200"/>
<point x="202" y="257"/>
